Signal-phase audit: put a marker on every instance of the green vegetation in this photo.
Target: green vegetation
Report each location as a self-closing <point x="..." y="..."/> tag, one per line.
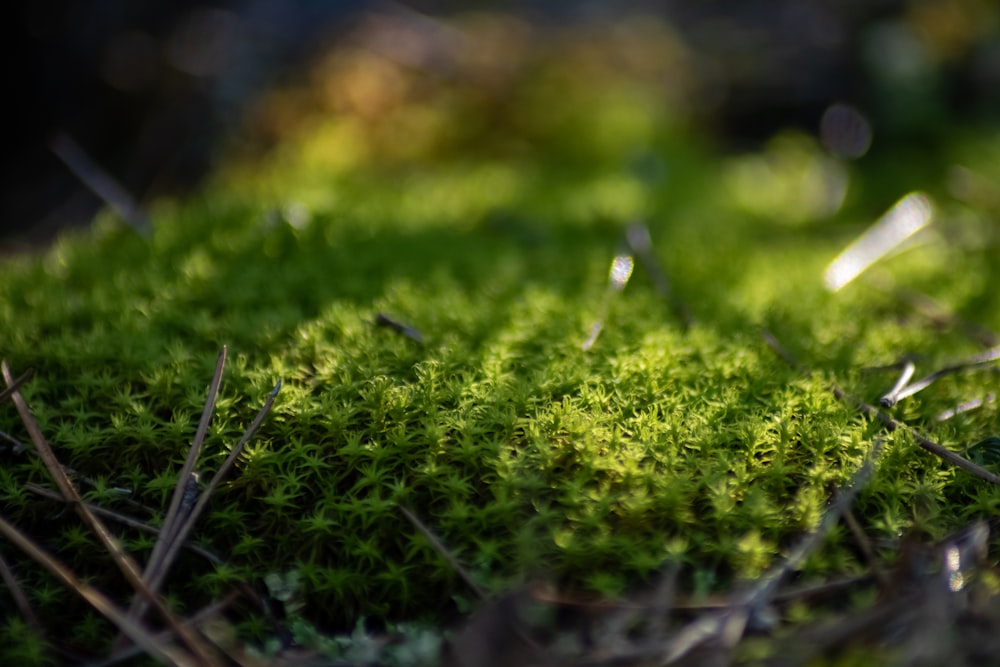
<point x="526" y="455"/>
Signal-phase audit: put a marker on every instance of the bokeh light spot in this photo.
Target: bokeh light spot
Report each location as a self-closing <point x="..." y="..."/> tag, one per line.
<point x="845" y="132"/>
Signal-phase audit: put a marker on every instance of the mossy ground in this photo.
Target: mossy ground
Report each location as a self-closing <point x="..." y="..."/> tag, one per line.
<point x="528" y="456"/>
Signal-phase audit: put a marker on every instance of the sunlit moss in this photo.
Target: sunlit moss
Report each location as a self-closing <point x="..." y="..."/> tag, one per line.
<point x="791" y="182"/>
<point x="525" y="454"/>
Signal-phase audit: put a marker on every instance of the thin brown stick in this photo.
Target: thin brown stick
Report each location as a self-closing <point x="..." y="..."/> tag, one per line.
<point x="20" y="599"/>
<point x="154" y="647"/>
<point x="185" y="528"/>
<point x="965" y="407"/>
<point x="893" y="395"/>
<point x="765" y="589"/>
<point x="157" y="560"/>
<point x="890" y="423"/>
<point x="926" y="443"/>
<point x="20" y="447"/>
<point x="122" y="519"/>
<point x="805" y="646"/>
<point x="820" y="590"/>
<point x="17" y="384"/>
<point x="225" y="639"/>
<point x="59" y="476"/>
<point x="383" y="320"/>
<point x="688" y="604"/>
<point x="726" y="627"/>
<point x="131" y="522"/>
<point x="99" y="181"/>
<point x="866" y="547"/>
<point x="652" y="652"/>
<point x="779" y="349"/>
<point x="639" y="241"/>
<point x="978" y="361"/>
<point x="444" y="553"/>
<point x="662" y="603"/>
<point x="196" y="619"/>
<point x="125" y="563"/>
<point x="941" y="315"/>
<point x="16" y="445"/>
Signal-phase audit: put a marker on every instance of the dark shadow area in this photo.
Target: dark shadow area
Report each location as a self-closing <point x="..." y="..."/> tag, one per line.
<point x="152" y="92"/>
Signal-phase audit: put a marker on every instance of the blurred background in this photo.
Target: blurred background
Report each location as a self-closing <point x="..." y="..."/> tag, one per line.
<point x="153" y="94"/>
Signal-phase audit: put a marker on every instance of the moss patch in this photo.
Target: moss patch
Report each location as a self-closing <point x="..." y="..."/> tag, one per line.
<point x="527" y="455"/>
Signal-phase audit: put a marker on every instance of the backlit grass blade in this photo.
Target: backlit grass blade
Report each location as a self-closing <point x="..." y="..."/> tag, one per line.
<point x="907" y="217"/>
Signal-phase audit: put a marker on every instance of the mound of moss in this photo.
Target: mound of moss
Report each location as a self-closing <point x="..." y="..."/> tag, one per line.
<point x="528" y="456"/>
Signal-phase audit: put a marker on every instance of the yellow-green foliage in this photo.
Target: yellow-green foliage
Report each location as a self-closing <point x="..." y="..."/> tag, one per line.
<point x="525" y="454"/>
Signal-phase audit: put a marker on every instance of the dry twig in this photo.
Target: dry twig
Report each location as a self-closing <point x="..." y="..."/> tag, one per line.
<point x="100" y="182"/>
<point x="16" y="385"/>
<point x="125" y="563"/>
<point x="890" y="423"/>
<point x="151" y="644"/>
<point x="184" y="529"/>
<point x="383" y="320"/>
<point x="640" y="243"/>
<point x="445" y="553"/>
<point x="20" y="599"/>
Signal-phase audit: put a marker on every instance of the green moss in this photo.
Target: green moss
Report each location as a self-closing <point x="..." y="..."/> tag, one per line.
<point x="22" y="644"/>
<point x="525" y="454"/>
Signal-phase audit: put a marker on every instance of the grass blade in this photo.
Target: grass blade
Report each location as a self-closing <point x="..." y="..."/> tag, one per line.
<point x="907" y="216"/>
